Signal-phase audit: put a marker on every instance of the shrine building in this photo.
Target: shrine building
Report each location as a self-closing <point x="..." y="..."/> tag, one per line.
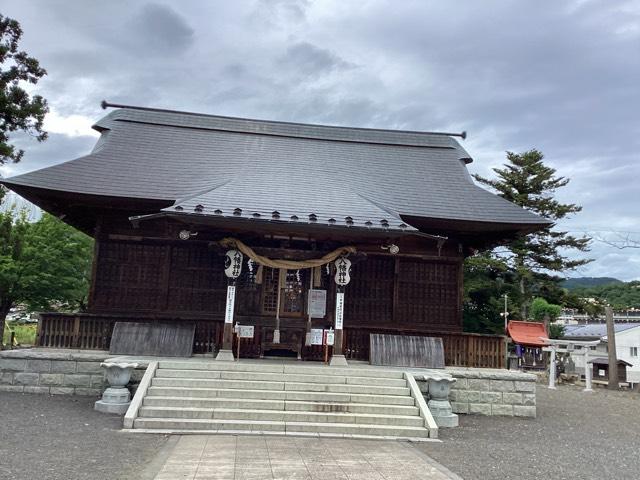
<point x="342" y="231"/>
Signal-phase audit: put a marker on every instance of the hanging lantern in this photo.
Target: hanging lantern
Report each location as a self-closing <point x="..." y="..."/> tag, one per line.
<point x="343" y="268"/>
<point x="233" y="264"/>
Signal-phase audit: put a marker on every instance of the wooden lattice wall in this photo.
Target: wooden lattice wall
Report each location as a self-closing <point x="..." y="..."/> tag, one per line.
<point x="187" y="279"/>
<point x="174" y="278"/>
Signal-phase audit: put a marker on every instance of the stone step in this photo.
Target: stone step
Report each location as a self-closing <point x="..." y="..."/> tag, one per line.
<point x="258" y="394"/>
<point x="305" y="369"/>
<point x="220" y="426"/>
<point x="286" y="386"/>
<point x="256" y="404"/>
<point x="280" y="416"/>
<point x="200" y="402"/>
<point x="275" y="377"/>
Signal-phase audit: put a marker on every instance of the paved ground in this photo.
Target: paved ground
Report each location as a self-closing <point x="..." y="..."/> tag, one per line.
<point x="224" y="457"/>
<point x="575" y="436"/>
<point x="63" y="438"/>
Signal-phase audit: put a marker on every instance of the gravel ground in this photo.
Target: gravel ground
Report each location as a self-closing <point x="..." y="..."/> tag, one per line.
<point x="59" y="437"/>
<point x="576" y="435"/>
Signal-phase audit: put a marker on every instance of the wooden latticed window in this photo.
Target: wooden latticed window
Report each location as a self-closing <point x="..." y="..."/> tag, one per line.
<point x="270" y="283"/>
<point x="292" y="295"/>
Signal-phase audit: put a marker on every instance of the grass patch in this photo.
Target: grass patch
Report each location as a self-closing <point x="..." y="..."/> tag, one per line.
<point x="25" y="333"/>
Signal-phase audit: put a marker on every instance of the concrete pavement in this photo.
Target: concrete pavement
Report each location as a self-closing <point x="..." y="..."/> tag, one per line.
<point x="230" y="457"/>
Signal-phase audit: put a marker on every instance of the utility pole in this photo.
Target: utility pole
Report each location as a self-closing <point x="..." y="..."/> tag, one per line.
<point x="613" y="356"/>
<point x="506" y="313"/>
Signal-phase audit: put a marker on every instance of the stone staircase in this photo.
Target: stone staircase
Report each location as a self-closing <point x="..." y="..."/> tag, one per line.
<point x="279" y="398"/>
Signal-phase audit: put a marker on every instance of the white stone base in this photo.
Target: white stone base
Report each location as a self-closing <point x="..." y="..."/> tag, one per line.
<point x="447" y="421"/>
<point x="119" y="408"/>
<point x="338" y="361"/>
<point x="225" y="356"/>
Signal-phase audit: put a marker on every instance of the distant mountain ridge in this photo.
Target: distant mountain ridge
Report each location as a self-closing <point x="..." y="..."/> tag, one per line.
<point x="587" y="282"/>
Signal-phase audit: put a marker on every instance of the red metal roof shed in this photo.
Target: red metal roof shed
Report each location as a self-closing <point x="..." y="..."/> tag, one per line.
<point x="527" y="333"/>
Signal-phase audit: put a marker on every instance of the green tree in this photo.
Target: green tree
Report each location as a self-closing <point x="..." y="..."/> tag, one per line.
<point x="526" y="181"/>
<point x="485" y="283"/>
<point x="19" y="111"/>
<point x="540" y="309"/>
<point x="556" y="330"/>
<point x="44" y="265"/>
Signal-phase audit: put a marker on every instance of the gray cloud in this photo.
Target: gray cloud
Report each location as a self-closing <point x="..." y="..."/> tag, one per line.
<point x="158" y="30"/>
<point x="558" y="76"/>
<point x="308" y="59"/>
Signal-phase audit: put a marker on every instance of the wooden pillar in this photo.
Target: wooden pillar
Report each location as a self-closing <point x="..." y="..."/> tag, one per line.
<point x="613" y="356"/>
<point x="339" y="319"/>
<point x="226" y="352"/>
<point x="396" y="291"/>
<point x="75" y="341"/>
<point x="342" y="278"/>
<point x="94" y="264"/>
<point x="233" y="267"/>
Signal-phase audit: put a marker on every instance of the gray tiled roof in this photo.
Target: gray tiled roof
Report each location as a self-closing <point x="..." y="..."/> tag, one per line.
<point x="257" y="167"/>
<point x="595" y="329"/>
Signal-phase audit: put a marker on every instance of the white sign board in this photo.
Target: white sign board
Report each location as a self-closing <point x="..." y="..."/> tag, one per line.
<point x="231" y="298"/>
<point x="317" y="307"/>
<point x="315" y="336"/>
<point x="339" y="310"/>
<point x="245" y="331"/>
<point x="330" y="336"/>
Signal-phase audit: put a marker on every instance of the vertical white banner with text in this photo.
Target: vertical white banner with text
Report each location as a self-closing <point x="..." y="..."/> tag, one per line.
<point x="231" y="299"/>
<point x="339" y="310"/>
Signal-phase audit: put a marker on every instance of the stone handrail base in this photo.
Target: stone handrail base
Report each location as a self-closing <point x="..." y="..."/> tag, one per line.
<point x="141" y="392"/>
<point x="429" y="422"/>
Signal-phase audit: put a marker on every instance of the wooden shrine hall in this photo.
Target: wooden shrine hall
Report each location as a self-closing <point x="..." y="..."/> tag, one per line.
<point x="321" y="232"/>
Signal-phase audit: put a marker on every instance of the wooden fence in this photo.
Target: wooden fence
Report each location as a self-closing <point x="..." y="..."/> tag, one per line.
<point x="460" y="349"/>
<point x="93" y="332"/>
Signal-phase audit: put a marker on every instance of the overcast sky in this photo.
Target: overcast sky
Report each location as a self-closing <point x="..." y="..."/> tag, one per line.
<point x="559" y="76"/>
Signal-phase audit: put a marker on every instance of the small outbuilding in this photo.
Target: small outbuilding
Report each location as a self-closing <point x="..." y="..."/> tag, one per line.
<point x="529" y="338"/>
<point x="601" y="369"/>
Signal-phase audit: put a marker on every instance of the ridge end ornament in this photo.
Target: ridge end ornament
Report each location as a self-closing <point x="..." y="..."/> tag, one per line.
<point x="233" y="264"/>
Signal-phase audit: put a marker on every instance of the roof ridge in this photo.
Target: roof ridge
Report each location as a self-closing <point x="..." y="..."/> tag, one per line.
<point x="106" y="105"/>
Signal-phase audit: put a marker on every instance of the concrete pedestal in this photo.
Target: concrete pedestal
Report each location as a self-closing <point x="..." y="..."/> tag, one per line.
<point x="114" y="400"/>
<point x="442" y="413"/>
<point x="225" y="356"/>
<point x="338" y="361"/>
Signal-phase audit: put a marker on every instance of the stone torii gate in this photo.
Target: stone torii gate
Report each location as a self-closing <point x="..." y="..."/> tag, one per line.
<point x="569" y="346"/>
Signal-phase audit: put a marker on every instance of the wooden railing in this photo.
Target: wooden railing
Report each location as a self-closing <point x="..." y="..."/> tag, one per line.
<point x="460" y="349"/>
<point x="93" y="332"/>
<point x="67" y="330"/>
<point x="88" y="331"/>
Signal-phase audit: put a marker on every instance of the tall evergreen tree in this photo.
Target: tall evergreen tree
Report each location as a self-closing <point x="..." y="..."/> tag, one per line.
<point x="526" y="181"/>
<point x="19" y="111"/>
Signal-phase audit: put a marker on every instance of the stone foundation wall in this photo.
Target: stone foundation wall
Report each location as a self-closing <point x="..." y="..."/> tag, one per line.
<point x="493" y="392"/>
<point x="54" y="372"/>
